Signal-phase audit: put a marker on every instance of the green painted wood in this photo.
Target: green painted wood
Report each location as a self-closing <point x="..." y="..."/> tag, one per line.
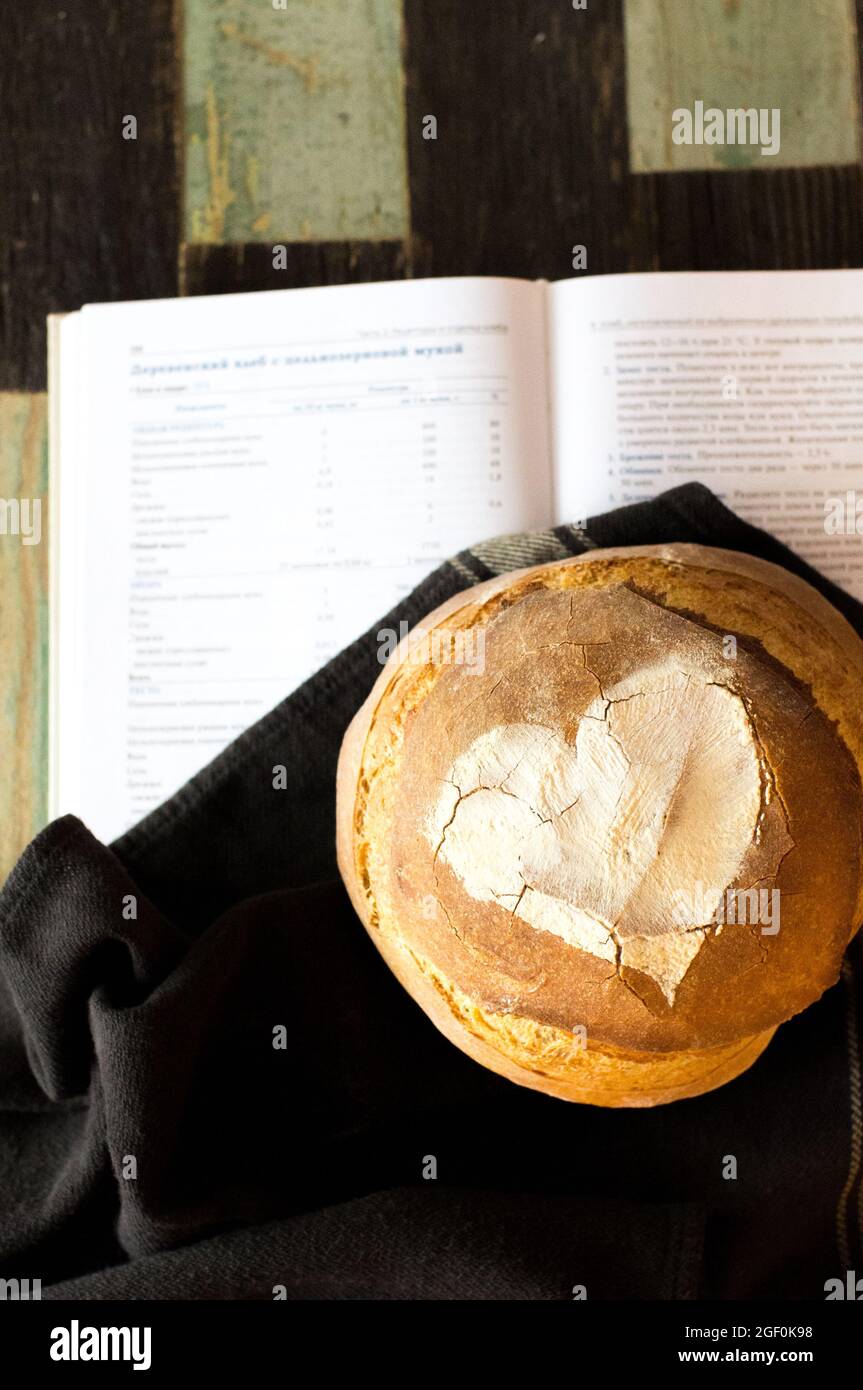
<point x="294" y="121"/>
<point x="798" y="56"/>
<point x="23" y="629"/>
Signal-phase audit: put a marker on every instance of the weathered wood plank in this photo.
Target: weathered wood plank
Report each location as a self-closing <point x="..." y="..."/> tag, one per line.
<point x="84" y="213"/>
<point x="532" y="157"/>
<point x="793" y="56"/>
<point x="23" y="625"/>
<point x="294" y="121"/>
<point x="530" y="154"/>
<point x="217" y="269"/>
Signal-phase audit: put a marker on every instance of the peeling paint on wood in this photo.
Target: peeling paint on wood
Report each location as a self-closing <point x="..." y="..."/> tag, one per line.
<point x="23" y="629"/>
<point x="797" y="56"/>
<point x="306" y="68"/>
<point x="294" y="121"/>
<point x="208" y="223"/>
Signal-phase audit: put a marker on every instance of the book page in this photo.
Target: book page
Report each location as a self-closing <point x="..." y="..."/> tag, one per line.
<point x="64" y="399"/>
<point x="750" y="382"/>
<point x="258" y="478"/>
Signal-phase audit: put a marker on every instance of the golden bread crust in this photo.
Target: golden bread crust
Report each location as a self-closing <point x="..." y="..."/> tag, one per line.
<point x="615" y="655"/>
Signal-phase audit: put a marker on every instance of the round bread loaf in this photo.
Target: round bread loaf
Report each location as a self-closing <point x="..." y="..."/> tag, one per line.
<point x="603" y="817"/>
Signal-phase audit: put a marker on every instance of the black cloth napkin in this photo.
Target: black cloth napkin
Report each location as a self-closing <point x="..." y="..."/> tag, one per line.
<point x="155" y="1144"/>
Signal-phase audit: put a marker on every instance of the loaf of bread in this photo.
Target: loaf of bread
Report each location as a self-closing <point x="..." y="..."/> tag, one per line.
<point x="603" y="817"/>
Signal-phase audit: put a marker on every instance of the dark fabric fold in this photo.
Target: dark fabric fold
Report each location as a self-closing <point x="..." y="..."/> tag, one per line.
<point x="155" y="1143"/>
<point x="464" y="1245"/>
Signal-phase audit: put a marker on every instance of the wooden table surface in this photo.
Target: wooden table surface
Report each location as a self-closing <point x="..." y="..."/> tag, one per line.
<point x="302" y="123"/>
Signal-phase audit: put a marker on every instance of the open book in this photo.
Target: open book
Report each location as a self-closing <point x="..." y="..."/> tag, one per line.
<point x="242" y="483"/>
